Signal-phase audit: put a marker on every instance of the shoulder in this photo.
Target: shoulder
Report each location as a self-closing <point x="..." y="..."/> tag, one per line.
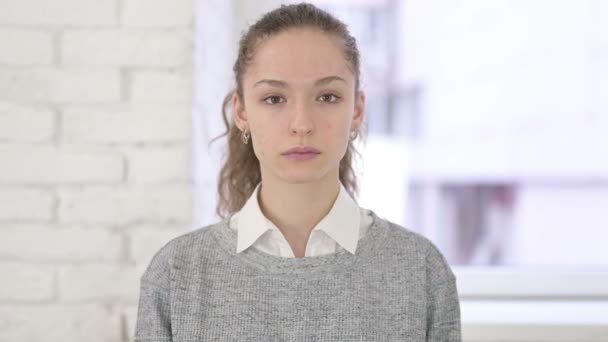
<point x="405" y="240"/>
<point x="413" y="247"/>
<point x="190" y="246"/>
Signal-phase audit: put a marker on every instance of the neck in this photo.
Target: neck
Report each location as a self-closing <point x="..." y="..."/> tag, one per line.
<point x="296" y="208"/>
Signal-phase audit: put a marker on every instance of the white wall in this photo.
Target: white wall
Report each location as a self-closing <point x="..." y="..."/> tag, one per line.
<point x="95" y="119"/>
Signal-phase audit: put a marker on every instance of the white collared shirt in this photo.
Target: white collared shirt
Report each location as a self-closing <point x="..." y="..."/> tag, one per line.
<point x="342" y="227"/>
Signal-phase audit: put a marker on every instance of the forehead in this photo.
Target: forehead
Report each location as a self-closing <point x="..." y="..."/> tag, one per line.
<point x="298" y="56"/>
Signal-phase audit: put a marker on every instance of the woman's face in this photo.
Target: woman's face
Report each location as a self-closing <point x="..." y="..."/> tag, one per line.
<point x="299" y="91"/>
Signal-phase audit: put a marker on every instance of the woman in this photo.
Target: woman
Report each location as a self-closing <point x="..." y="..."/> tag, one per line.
<point x="296" y="258"/>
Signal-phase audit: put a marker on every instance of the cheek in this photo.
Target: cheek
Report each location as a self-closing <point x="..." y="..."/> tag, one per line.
<point x="337" y="128"/>
<point x="262" y="140"/>
<point x="258" y="142"/>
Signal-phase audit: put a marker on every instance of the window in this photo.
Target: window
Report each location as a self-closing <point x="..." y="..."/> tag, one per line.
<point x="492" y="117"/>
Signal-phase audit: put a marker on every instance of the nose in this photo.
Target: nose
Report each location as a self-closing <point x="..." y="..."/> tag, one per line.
<point x="302" y="123"/>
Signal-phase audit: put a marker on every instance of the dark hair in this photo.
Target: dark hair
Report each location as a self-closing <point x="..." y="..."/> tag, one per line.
<point x="241" y="171"/>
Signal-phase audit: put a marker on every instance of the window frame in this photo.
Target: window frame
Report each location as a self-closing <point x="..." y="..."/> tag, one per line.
<point x="522" y="282"/>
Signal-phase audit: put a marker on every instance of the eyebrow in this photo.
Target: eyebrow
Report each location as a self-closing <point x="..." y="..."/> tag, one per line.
<point x="283" y="84"/>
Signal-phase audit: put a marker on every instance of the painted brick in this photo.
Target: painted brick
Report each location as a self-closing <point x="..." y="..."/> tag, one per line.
<point x="25" y="164"/>
<point x="43" y="243"/>
<point x="158" y="13"/>
<point x="151" y="124"/>
<point x="126" y="205"/>
<point x="143" y="165"/>
<point x="26" y="204"/>
<point x="26" y="123"/>
<point x="58" y="322"/>
<point x="126" y="48"/>
<point x="98" y="282"/>
<point x="26" y="282"/>
<point x="161" y="86"/>
<point x="58" y="13"/>
<point x="60" y="86"/>
<point x="25" y="47"/>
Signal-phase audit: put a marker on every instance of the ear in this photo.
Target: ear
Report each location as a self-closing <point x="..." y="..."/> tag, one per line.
<point x="240" y="115"/>
<point x="359" y="110"/>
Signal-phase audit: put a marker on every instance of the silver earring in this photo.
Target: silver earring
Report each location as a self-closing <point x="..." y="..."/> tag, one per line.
<point x="354" y="134"/>
<point x="245" y="137"/>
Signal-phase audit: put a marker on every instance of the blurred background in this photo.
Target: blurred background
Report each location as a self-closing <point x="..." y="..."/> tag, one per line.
<point x="487" y="125"/>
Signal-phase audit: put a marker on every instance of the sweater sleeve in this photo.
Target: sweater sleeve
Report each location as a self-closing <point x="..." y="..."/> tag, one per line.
<point x="154" y="309"/>
<point x="443" y="320"/>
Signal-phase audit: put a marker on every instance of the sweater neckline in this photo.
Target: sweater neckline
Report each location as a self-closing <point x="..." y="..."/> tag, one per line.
<point x="309" y="265"/>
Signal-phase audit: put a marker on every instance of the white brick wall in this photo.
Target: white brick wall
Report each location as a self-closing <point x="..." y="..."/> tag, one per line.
<point x="26" y="123"/>
<point x="94" y="322"/>
<point x="43" y="164"/>
<point x="144" y="168"/>
<point x="157" y="13"/>
<point x="26" y="282"/>
<point x="59" y="86"/>
<point x="59" y="13"/>
<point x="138" y="48"/>
<point x="95" y="128"/>
<point x="26" y="47"/>
<point x="92" y="282"/>
<point x="44" y="243"/>
<point x="123" y="205"/>
<point x="26" y="204"/>
<point x="161" y="86"/>
<point x="143" y="125"/>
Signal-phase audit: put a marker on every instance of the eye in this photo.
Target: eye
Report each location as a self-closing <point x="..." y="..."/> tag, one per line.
<point x="274" y="99"/>
<point x="331" y="98"/>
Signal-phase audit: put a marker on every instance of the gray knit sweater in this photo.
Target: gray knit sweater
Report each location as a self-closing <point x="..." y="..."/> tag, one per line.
<point x="396" y="287"/>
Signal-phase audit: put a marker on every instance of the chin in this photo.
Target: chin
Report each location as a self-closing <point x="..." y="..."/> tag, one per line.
<point x="302" y="175"/>
<point x="300" y="179"/>
<point x="300" y="172"/>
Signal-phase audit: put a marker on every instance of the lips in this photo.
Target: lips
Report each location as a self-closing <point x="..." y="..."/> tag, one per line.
<point x="301" y="153"/>
<point x="302" y="150"/>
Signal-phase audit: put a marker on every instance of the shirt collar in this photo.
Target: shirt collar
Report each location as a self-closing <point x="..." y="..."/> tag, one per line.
<point x="251" y="223"/>
<point x="341" y="224"/>
<point x="343" y="221"/>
